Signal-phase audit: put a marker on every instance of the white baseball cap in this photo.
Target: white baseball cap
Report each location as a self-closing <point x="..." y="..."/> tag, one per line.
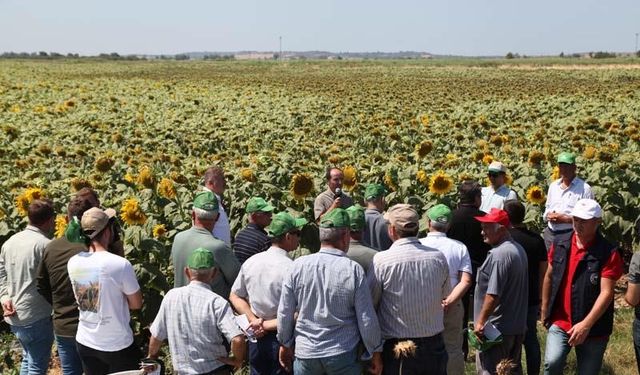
<point x="587" y="209"/>
<point x="497" y="167"/>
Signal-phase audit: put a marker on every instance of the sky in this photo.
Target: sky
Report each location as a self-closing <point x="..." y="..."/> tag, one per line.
<point x="445" y="27"/>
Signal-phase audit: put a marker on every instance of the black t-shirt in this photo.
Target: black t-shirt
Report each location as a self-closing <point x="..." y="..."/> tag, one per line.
<point x="533" y="244"/>
<point x="466" y="229"/>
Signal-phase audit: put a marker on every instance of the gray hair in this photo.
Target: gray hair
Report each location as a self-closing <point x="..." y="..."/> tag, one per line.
<point x="332" y="235"/>
<point x="204" y="214"/>
<point x="201" y="272"/>
<point x="440" y="227"/>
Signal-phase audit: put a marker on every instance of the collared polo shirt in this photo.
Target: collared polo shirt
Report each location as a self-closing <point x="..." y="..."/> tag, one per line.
<point x="563" y="200"/>
<point x="260" y="281"/>
<point x="375" y="234"/>
<point x="495" y="198"/>
<point x="329" y="292"/>
<point x="408" y="283"/>
<point x="19" y="259"/>
<point x="456" y="253"/>
<point x="249" y="241"/>
<point x="193" y="319"/>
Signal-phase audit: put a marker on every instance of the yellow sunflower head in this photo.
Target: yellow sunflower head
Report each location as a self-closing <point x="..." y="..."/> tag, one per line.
<point x="248" y="175"/>
<point x="535" y="195"/>
<point x="131" y="212"/>
<point x="350" y="178"/>
<point x="487" y="159"/>
<point x="61" y="225"/>
<point x="440" y="183"/>
<point x="422" y="177"/>
<point x="129" y="178"/>
<point x="166" y="188"/>
<point x="24" y="200"/>
<point x="146" y="178"/>
<point x="556" y="173"/>
<point x="301" y="186"/>
<point x="159" y="231"/>
<point x="390" y="181"/>
<point x="423" y="149"/>
<point x="589" y="152"/>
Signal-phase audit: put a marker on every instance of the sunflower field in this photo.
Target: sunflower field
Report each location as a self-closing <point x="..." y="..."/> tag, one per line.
<point x="143" y="133"/>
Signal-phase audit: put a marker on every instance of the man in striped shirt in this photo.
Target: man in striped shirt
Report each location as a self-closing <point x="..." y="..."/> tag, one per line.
<point x="408" y="283"/>
<point x="329" y="292"/>
<point x="253" y="239"/>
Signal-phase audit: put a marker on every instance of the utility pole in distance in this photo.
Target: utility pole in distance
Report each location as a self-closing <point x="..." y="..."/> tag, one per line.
<point x="280" y="55"/>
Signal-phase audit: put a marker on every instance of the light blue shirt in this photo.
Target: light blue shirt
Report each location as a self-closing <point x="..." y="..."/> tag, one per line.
<point x="495" y="198"/>
<point x="330" y="293"/>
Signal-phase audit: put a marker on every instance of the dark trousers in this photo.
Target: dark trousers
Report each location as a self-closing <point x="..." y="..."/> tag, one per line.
<point x="430" y="357"/>
<point x="263" y="356"/>
<point x="636" y="341"/>
<point x="97" y="362"/>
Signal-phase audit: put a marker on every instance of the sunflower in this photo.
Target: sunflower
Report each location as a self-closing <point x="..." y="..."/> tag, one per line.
<point x="589" y="152"/>
<point x="350" y="177"/>
<point x="159" y="231"/>
<point x="24" y="200"/>
<point x="248" y="175"/>
<point x="405" y="349"/>
<point x="440" y="183"/>
<point x="465" y="177"/>
<point x="178" y="178"/>
<point x="129" y="178"/>
<point x="423" y="149"/>
<point x="555" y="174"/>
<point x="166" y="188"/>
<point x="390" y="181"/>
<point x="424" y="119"/>
<point x="334" y="159"/>
<point x="422" y="177"/>
<point x="301" y="186"/>
<point x="535" y="158"/>
<point x="132" y="213"/>
<point x="146" y="178"/>
<point x="535" y="195"/>
<point x="487" y="159"/>
<point x="103" y="164"/>
<point x="79" y="183"/>
<point x="61" y="225"/>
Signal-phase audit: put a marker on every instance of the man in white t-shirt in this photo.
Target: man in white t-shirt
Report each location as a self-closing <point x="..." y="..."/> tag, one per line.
<point x="215" y="182"/>
<point x="460" y="273"/>
<point x="105" y="288"/>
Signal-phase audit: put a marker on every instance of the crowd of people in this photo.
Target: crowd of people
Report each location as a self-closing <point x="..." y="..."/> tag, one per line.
<point x="375" y="297"/>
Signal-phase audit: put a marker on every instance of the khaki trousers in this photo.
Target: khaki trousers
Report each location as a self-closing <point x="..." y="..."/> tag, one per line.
<point x="453" y="338"/>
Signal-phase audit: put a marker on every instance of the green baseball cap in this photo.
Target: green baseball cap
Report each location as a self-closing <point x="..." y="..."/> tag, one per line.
<point x="567" y="158"/>
<point x="440" y="213"/>
<point x="206" y="200"/>
<point x="356" y="217"/>
<point x="200" y="258"/>
<point x="258" y="204"/>
<point x="283" y="222"/>
<point x="373" y="191"/>
<point x="336" y="218"/>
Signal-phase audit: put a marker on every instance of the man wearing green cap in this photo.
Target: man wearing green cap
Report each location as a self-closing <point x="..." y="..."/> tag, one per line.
<point x="256" y="292"/>
<point x="196" y="321"/>
<point x="330" y="294"/>
<point x="358" y="252"/>
<point x="562" y="196"/>
<point x="375" y="233"/>
<point x="204" y="215"/>
<point x="460" y="273"/>
<point x="253" y="238"/>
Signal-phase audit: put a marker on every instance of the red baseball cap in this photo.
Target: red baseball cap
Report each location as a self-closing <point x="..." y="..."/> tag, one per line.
<point x="496" y="215"/>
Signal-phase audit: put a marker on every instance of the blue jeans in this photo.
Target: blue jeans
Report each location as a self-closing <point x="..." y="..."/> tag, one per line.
<point x="589" y="354"/>
<point x="530" y="343"/>
<point x="341" y="364"/>
<point x="69" y="357"/>
<point x="36" y="340"/>
<point x="263" y="356"/>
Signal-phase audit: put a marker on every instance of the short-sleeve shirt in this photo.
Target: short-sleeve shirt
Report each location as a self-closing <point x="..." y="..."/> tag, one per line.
<point x="101" y="281"/>
<point x="193" y="319"/>
<point x="634" y="269"/>
<point x="325" y="200"/>
<point x="504" y="274"/>
<point x="361" y="254"/>
<point x="563" y="200"/>
<point x="375" y="233"/>
<point x="249" y="241"/>
<point x="456" y="253"/>
<point x="536" y="250"/>
<point x="495" y="198"/>
<point x="561" y="313"/>
<point x="260" y="281"/>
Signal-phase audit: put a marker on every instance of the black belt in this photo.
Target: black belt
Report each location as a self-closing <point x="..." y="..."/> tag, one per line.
<point x="561" y="231"/>
<point x="418" y="340"/>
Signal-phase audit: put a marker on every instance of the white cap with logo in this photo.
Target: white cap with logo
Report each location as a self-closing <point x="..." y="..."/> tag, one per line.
<point x="587" y="209"/>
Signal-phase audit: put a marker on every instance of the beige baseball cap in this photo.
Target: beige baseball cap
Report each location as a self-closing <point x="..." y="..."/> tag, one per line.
<point x="94" y="220"/>
<point x="403" y="216"/>
<point x="497" y="167"/>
